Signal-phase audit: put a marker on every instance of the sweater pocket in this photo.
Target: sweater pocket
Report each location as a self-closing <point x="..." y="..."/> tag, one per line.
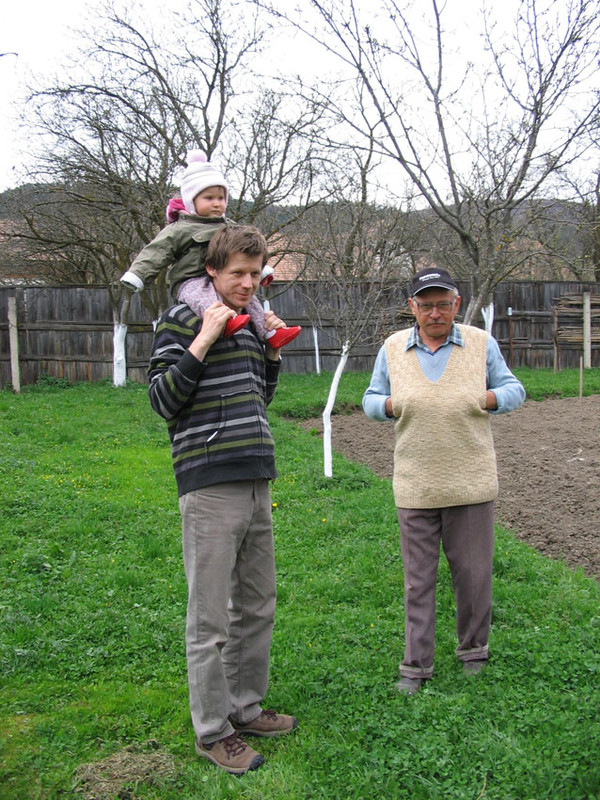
<point x="481" y="402"/>
<point x="241" y="424"/>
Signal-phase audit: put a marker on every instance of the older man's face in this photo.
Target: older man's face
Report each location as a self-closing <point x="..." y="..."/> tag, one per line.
<point x="435" y="309"/>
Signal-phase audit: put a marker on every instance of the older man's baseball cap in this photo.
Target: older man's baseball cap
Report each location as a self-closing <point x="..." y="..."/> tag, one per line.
<point x="430" y="277"/>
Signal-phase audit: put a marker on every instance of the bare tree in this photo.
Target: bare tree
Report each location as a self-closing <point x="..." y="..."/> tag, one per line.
<point x="273" y="158"/>
<point x="573" y="234"/>
<point x="591" y="207"/>
<point x="115" y="133"/>
<point x="355" y="256"/>
<point x="478" y="141"/>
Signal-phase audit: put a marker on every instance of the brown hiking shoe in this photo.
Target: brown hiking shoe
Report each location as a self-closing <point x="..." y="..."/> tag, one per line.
<point x="268" y="723"/>
<point x="231" y="754"/>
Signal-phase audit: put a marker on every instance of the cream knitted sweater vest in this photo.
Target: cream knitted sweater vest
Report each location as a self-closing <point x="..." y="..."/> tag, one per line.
<point x="444" y="454"/>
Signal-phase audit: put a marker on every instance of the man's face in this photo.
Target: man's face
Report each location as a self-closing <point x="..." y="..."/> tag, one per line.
<point x="238" y="281"/>
<point x="211" y="202"/>
<point x="435" y="322"/>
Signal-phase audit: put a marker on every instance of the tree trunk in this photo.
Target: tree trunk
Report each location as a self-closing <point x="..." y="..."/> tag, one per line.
<point x="119" y="354"/>
<point x="479" y="299"/>
<point x="327" y="458"/>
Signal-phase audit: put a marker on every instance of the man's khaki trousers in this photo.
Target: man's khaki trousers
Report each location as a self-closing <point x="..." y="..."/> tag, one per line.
<point x="230" y="571"/>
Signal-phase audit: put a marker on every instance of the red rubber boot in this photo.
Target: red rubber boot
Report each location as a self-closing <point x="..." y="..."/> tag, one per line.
<point x="235" y="324"/>
<point x="283" y="336"/>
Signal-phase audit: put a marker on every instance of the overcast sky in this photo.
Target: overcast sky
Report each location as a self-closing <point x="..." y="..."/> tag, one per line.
<point x="38" y="32"/>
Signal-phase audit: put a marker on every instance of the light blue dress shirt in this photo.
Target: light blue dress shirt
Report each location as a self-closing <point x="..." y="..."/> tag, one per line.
<point x="509" y="391"/>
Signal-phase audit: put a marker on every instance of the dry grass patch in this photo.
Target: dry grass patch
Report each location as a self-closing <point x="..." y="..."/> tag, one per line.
<point x="120" y="774"/>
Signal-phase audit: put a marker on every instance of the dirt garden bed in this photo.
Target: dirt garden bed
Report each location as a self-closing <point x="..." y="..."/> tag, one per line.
<point x="548" y="465"/>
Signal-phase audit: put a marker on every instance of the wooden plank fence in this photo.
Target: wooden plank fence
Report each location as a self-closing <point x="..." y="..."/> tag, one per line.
<point x="67" y="331"/>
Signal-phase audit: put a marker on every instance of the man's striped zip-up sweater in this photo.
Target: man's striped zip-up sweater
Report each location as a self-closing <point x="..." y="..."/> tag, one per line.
<point x="215" y="409"/>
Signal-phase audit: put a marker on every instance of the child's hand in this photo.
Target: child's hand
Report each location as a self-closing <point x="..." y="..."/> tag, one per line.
<point x="272" y="322"/>
<point x="213" y="322"/>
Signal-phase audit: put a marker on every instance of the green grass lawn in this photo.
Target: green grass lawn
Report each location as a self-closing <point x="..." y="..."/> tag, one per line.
<point x="92" y="607"/>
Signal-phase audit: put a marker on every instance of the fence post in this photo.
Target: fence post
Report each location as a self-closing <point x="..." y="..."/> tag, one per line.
<point x="587" y="330"/>
<point x="13" y="339"/>
<point x="510" y="337"/>
<point x="555" y="340"/>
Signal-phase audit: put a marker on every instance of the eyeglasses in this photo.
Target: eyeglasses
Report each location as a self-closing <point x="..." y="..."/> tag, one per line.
<point x="427" y="308"/>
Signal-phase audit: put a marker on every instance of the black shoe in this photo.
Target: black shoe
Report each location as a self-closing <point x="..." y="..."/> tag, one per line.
<point x="473" y="667"/>
<point x="409" y="685"/>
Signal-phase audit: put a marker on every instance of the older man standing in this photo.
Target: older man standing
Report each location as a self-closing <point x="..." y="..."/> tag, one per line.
<point x="440" y="381"/>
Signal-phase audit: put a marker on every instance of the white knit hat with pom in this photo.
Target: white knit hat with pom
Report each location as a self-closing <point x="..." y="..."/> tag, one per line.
<point x="199" y="175"/>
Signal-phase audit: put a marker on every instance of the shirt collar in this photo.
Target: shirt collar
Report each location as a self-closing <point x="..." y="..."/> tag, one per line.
<point x="454" y="337"/>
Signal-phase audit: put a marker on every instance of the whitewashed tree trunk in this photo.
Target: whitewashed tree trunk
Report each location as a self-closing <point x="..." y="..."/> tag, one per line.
<point x="119" y="356"/>
<point x="488" y="317"/>
<point x="120" y="314"/>
<point x="327" y="459"/>
<point x="317" y="356"/>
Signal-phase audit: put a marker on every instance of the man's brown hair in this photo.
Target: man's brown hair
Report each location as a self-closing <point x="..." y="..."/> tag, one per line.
<point x="244" y="239"/>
